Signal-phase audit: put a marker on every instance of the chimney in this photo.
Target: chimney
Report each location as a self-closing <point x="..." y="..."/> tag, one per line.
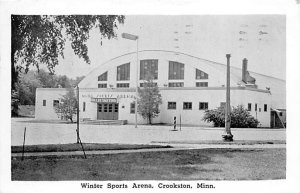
<point x="244" y="70"/>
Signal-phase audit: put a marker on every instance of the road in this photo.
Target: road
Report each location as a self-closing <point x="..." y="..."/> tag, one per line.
<point x="50" y="133"/>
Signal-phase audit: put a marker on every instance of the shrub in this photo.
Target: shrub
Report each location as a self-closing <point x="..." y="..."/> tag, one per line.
<point x="240" y="117"/>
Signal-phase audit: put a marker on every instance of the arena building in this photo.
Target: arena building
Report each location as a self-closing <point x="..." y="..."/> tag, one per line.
<point x="189" y="85"/>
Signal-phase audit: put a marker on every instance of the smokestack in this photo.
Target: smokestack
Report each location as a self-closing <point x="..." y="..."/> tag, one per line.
<point x="244" y="70"/>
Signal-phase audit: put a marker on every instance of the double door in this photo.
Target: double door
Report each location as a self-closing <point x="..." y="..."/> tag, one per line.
<point x="107" y="111"/>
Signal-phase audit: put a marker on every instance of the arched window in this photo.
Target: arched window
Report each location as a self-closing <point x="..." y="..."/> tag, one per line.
<point x="148" y="67"/>
<point x="123" y="72"/>
<point x="103" y="77"/>
<point x="176" y="71"/>
<point x="201" y="75"/>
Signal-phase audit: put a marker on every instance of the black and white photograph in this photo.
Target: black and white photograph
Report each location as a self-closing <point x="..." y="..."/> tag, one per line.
<point x="122" y="101"/>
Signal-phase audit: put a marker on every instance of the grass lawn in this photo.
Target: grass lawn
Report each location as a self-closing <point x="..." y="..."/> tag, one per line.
<point x="202" y="164"/>
<point x="77" y="147"/>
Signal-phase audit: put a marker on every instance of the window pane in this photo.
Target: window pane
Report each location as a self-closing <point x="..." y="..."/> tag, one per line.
<point x="187" y="105"/>
<point x="203" y="105"/>
<point x="201" y="75"/>
<point x="103" y="77"/>
<point x="132" y="108"/>
<point x="122" y="85"/>
<point x="176" y="70"/>
<point x="55" y="102"/>
<point x="110" y="107"/>
<point x="176" y="84"/>
<point x="249" y="106"/>
<point x="265" y="107"/>
<point x="116" y="107"/>
<point x="99" y="107"/>
<point x="148" y="67"/>
<point x="201" y="84"/>
<point x="123" y="72"/>
<point x="105" y="108"/>
<point x="171" y="105"/>
<point x="102" y="85"/>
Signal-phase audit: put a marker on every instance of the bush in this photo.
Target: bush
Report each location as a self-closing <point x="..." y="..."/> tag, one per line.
<point x="240" y="117"/>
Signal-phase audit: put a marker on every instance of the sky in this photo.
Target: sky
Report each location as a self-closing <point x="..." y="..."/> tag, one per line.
<point x="259" y="38"/>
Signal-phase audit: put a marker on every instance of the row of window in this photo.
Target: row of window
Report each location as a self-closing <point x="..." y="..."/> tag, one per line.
<point x="255" y="107"/>
<point x="150" y="68"/>
<point x="55" y="103"/>
<point x="171" y="84"/>
<point x="172" y="105"/>
<point x="188" y="105"/>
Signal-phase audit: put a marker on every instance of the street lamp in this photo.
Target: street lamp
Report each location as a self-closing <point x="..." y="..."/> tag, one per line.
<point x="135" y="38"/>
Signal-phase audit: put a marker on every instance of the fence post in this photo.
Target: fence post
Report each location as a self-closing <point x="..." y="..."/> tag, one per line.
<point x="174" y="123"/>
<point x="24" y="144"/>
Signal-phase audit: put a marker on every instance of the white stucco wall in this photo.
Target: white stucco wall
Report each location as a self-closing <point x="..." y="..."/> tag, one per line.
<point x="49" y="94"/>
<point x="214" y="96"/>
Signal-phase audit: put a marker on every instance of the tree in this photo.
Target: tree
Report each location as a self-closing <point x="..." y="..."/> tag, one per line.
<point x="67" y="106"/>
<point x="76" y="81"/>
<point x="40" y="39"/>
<point x="240" y="117"/>
<point x="149" y="99"/>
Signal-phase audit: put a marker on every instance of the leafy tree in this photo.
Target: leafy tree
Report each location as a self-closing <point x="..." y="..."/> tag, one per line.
<point x="240" y="117"/>
<point x="26" y="87"/>
<point x="40" y="39"/>
<point x="67" y="106"/>
<point x="76" y="81"/>
<point x="149" y="99"/>
<point x="63" y="81"/>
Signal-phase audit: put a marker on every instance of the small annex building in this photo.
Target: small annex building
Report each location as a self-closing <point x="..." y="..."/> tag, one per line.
<point x="189" y="85"/>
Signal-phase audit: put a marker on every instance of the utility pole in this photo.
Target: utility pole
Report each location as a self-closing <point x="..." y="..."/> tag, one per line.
<point x="227" y="136"/>
<point x="78" y="138"/>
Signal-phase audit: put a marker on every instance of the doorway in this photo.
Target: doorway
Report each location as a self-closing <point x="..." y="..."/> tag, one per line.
<point x="107" y="111"/>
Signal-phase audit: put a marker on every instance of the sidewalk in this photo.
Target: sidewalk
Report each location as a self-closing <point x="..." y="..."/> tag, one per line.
<point x="175" y="146"/>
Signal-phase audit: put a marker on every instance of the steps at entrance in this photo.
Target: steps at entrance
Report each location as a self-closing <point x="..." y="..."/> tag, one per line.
<point x="104" y="122"/>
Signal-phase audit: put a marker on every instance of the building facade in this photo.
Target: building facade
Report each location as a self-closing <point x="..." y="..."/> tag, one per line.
<point x="188" y="85"/>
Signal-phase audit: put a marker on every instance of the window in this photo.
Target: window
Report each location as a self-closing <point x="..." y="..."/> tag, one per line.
<point x="201" y="75"/>
<point x="187" y="105"/>
<point x="148" y="67"/>
<point x="265" y="107"/>
<point x="102" y="85"/>
<point x="280" y="114"/>
<point x="103" y="77"/>
<point x="122" y="85"/>
<point x="203" y="105"/>
<point x="255" y="107"/>
<point x="99" y="107"/>
<point x="55" y="103"/>
<point x="149" y="85"/>
<point x="105" y="107"/>
<point x="123" y="72"/>
<point x="116" y="107"/>
<point x="44" y="102"/>
<point x="201" y="84"/>
<point x="176" y="84"/>
<point x="83" y="106"/>
<point x="249" y="106"/>
<point x="171" y="105"/>
<point x="132" y="108"/>
<point x="176" y="71"/>
<point x="110" y="106"/>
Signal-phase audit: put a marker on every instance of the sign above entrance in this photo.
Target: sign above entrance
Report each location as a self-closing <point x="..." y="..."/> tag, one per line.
<point x="104" y="100"/>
